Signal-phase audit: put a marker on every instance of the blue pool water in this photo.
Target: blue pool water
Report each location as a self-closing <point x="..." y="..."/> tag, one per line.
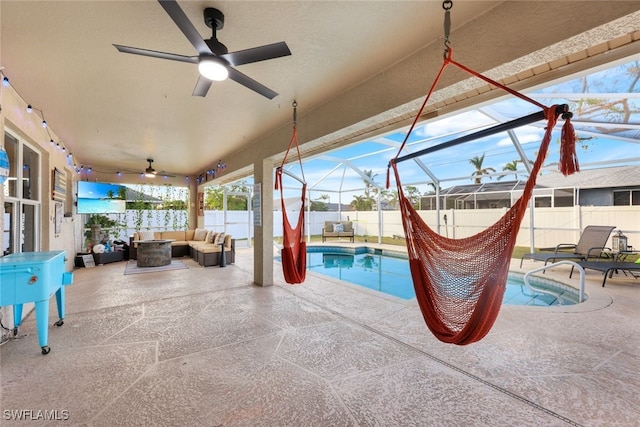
<point x="387" y="272"/>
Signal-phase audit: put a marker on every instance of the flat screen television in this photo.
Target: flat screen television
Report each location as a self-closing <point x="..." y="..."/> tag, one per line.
<point x="101" y="198"/>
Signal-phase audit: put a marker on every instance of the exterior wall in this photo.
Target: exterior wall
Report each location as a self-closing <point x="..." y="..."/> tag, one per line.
<point x="28" y="127"/>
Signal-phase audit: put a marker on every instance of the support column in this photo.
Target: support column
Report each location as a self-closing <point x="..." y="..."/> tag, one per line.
<point x="263" y="233"/>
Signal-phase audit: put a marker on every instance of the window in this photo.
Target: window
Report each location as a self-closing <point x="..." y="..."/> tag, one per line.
<point x="626" y="197"/>
<point x="11" y="147"/>
<point x="22" y="197"/>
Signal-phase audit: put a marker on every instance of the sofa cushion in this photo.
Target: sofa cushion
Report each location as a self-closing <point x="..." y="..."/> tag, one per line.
<point x="200" y="234"/>
<point x="175" y="235"/>
<point x="146" y="235"/>
<point x="220" y="238"/>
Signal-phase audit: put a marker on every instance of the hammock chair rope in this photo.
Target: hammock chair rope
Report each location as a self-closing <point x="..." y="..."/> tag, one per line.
<point x="460" y="283"/>
<point x="294" y="248"/>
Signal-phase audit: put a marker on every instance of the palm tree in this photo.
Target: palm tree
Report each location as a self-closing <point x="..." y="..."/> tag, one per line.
<point x="367" y="183"/>
<point x="477" y="163"/>
<point x="433" y="188"/>
<point x="511" y="166"/>
<point x="391" y="197"/>
<point x="362" y="203"/>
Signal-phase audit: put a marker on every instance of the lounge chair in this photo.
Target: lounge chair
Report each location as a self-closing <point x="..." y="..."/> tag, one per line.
<point x="609" y="267"/>
<point x="590" y="245"/>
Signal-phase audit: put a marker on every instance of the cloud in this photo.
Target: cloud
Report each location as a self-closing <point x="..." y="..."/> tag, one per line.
<point x="525" y="135"/>
<point x="448" y="125"/>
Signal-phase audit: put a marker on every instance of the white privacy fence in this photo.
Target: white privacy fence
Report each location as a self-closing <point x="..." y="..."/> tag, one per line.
<point x="552" y="225"/>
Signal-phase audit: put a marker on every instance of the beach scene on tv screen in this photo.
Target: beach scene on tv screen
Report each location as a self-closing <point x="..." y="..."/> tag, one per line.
<point x="100" y="197"/>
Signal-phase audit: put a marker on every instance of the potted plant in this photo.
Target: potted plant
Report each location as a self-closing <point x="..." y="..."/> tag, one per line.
<point x="99" y="226"/>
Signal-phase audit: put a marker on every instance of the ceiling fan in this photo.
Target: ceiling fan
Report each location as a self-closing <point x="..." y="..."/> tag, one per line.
<point x="214" y="61"/>
<point x="150" y="172"/>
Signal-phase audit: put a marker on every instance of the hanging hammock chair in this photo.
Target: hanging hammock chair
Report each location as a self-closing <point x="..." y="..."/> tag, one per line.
<point x="460" y="283"/>
<point x="294" y="248"/>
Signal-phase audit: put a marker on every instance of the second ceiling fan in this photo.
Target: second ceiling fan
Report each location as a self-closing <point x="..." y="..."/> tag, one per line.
<point x="214" y="61"/>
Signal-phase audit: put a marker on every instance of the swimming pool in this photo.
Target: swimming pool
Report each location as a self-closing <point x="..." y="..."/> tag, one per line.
<point x="388" y="272"/>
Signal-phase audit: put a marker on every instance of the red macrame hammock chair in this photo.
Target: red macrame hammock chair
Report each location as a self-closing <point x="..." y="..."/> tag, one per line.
<point x="460" y="283"/>
<point x="294" y="248"/>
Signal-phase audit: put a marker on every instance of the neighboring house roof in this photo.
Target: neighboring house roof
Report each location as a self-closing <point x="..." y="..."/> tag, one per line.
<point x="613" y="177"/>
<point x="134" y="196"/>
<point x="483" y="188"/>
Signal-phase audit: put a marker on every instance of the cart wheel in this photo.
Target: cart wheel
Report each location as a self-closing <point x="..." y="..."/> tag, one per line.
<point x="59" y="322"/>
<point x="46" y="350"/>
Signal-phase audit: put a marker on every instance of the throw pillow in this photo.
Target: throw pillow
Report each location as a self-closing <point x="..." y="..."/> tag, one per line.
<point x="211" y="237"/>
<point x="329" y="228"/>
<point x="146" y="235"/>
<point x="220" y="239"/>
<point x="200" y="234"/>
<point x="338" y="228"/>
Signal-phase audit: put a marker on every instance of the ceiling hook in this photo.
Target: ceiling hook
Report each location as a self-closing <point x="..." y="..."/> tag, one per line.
<point x="447" y="5"/>
<point x="295" y="112"/>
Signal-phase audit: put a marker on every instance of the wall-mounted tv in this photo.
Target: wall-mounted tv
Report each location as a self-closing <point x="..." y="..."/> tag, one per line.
<point x="101" y="198"/>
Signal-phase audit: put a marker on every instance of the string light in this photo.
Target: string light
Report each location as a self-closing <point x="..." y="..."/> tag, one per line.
<point x="215" y="171"/>
<point x="30" y="108"/>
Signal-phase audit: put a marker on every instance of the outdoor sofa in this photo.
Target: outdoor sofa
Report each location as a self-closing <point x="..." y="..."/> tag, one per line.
<point x="204" y="246"/>
<point x="338" y="229"/>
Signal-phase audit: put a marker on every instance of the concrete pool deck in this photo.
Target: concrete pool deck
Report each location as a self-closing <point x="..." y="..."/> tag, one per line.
<point x="205" y="346"/>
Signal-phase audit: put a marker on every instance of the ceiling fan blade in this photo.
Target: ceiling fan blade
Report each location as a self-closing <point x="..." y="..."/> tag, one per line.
<point x="202" y="86"/>
<point x="156" y="54"/>
<point x="261" y="53"/>
<point x="177" y="14"/>
<point x="248" y="82"/>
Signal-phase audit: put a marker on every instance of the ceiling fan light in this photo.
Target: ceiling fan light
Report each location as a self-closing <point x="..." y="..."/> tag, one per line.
<point x="150" y="174"/>
<point x="213" y="68"/>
